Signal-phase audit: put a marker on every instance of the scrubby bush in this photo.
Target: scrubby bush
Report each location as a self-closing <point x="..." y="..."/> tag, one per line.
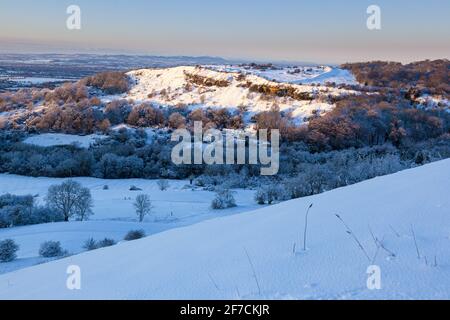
<point x="224" y="199"/>
<point x="21" y="210"/>
<point x="145" y="115"/>
<point x="433" y="75"/>
<point x="260" y="196"/>
<point x="111" y="82"/>
<point x="51" y="249"/>
<point x="90" y="244"/>
<point x="134" y="235"/>
<point x="105" y="243"/>
<point x="269" y="194"/>
<point x="163" y="184"/>
<point x="176" y="121"/>
<point x="8" y="249"/>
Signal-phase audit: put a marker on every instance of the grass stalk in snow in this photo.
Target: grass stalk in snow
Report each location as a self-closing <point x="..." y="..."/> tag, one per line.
<point x="213" y="282"/>
<point x="379" y="244"/>
<point x="395" y="231"/>
<point x="350" y="232"/>
<point x="376" y="244"/>
<point x="253" y="270"/>
<point x="306" y="227"/>
<point x="238" y="293"/>
<point x="415" y="242"/>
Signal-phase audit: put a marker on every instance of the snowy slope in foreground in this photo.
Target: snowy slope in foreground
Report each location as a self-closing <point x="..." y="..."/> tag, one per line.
<point x="208" y="260"/>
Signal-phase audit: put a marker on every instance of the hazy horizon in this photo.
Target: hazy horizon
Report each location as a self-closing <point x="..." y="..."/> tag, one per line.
<point x="298" y="31"/>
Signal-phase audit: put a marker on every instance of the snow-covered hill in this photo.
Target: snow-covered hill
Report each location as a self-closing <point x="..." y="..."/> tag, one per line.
<point x="299" y="92"/>
<point x="295" y="74"/>
<point x="207" y="87"/>
<point x="251" y="255"/>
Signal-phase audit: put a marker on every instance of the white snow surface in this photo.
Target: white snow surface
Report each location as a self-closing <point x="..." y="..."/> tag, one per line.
<point x="208" y="260"/>
<point x="59" y="139"/>
<point x="295" y="74"/>
<point x="35" y="80"/>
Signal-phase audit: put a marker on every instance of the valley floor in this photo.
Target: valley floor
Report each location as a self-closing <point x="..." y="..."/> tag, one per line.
<point x="114" y="214"/>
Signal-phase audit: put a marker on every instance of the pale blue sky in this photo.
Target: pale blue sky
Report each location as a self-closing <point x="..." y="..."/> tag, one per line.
<point x="318" y="31"/>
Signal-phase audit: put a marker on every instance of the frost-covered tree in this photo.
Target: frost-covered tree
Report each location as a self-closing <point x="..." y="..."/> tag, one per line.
<point x="143" y="206"/>
<point x="69" y="198"/>
<point x="224" y="199"/>
<point x="84" y="204"/>
<point x="21" y="210"/>
<point x="8" y="249"/>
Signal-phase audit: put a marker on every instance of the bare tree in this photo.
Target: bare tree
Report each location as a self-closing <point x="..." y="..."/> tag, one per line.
<point x="84" y="204"/>
<point x="163" y="184"/>
<point x="143" y="206"/>
<point x="70" y="198"/>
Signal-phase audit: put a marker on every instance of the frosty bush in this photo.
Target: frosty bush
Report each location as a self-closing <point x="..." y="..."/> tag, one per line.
<point x="21" y="210"/>
<point x="134" y="235"/>
<point x="8" y="249"/>
<point x="224" y="199"/>
<point x="269" y="194"/>
<point x="260" y="196"/>
<point x="105" y="243"/>
<point x="50" y="249"/>
<point x="90" y="244"/>
<point x="163" y="184"/>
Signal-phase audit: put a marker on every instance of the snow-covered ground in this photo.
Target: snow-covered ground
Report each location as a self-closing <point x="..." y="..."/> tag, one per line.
<point x="296" y="75"/>
<point x="35" y="80"/>
<point x="434" y="102"/>
<point x="114" y="214"/>
<point x="251" y="255"/>
<point x="59" y="139"/>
